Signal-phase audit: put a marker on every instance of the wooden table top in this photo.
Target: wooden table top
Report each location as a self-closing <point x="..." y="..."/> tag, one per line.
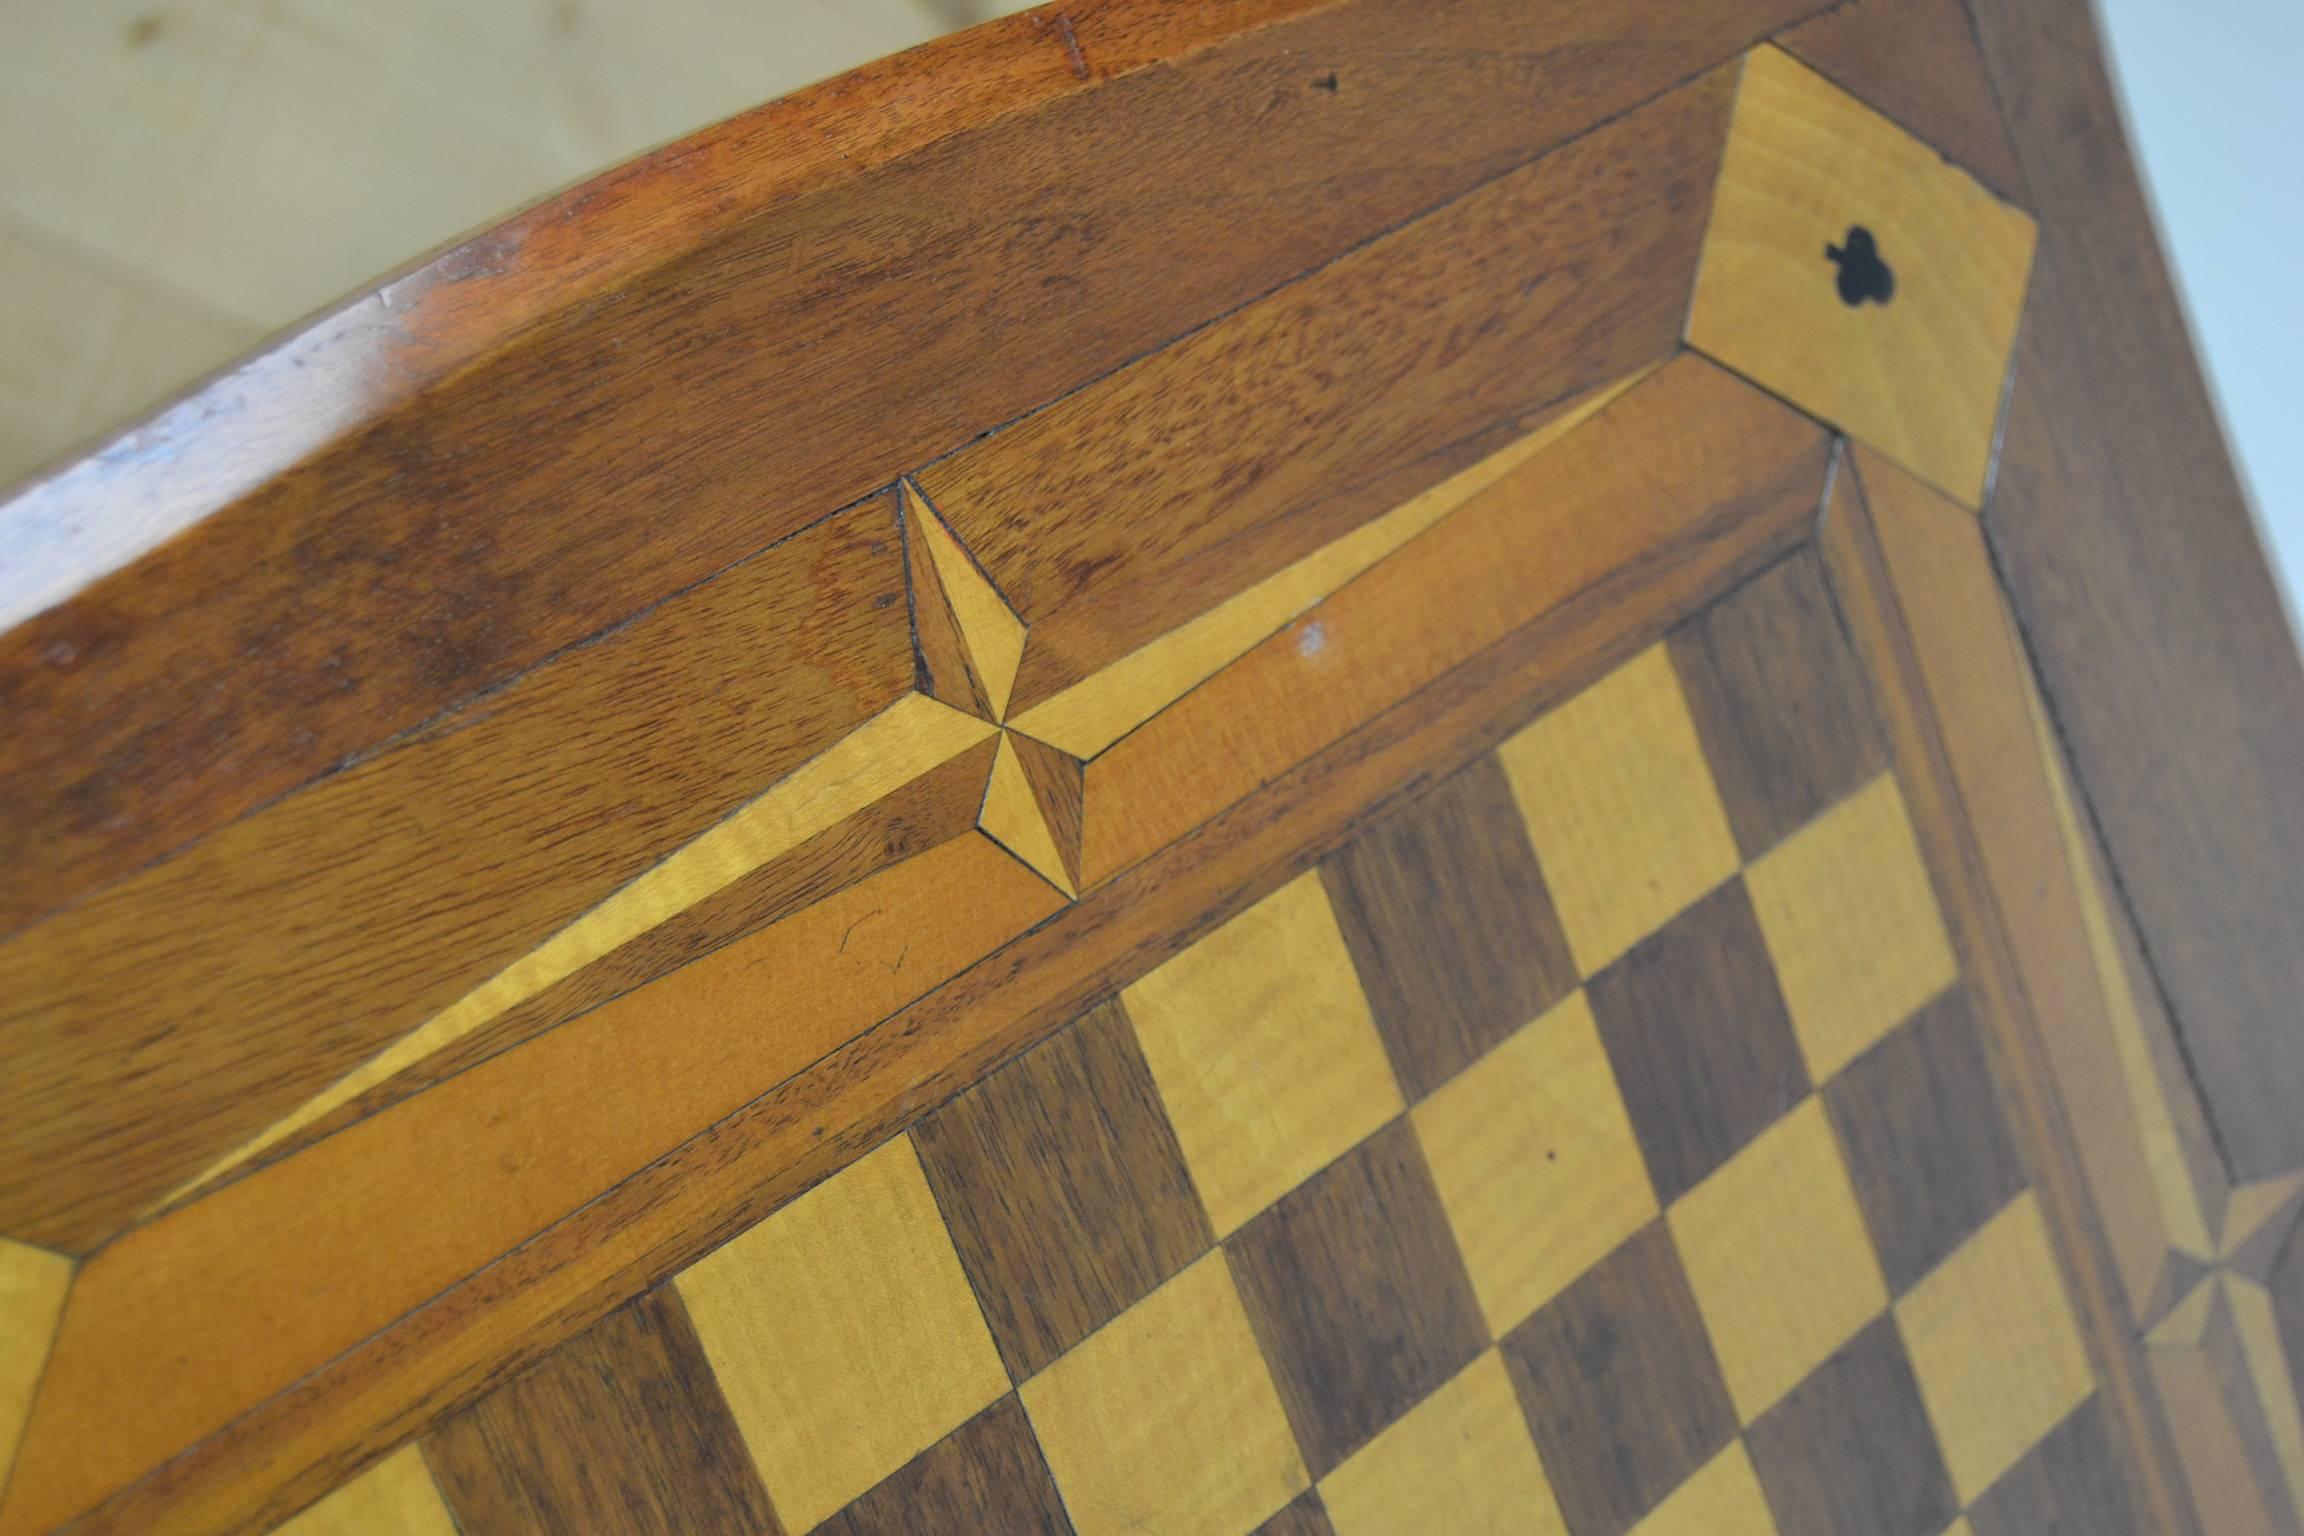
<point x="1321" y="766"/>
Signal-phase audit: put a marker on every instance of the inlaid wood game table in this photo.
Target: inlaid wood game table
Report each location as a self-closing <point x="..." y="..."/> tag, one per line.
<point x="1305" y="766"/>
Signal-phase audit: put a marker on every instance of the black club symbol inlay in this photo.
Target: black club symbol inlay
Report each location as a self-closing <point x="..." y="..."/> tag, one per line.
<point x="1864" y="275"/>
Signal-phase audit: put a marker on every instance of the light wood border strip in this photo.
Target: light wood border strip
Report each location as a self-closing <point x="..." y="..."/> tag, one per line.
<point x="1872" y="598"/>
<point x="721" y="328"/>
<point x="319" y="1432"/>
<point x="908" y="738"/>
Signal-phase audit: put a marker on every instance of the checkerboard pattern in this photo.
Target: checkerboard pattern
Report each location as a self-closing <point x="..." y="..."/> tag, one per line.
<point x="1602" y="1144"/>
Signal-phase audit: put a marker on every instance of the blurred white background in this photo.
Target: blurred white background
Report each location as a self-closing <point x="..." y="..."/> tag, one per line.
<point x="2214" y="91"/>
<point x="180" y="177"/>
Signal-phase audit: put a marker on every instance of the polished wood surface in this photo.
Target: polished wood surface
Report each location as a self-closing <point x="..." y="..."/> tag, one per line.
<point x="1181" y="922"/>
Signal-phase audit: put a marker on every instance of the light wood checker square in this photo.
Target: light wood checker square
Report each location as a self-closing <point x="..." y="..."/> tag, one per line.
<point x="1165" y="1421"/>
<point x="1460" y="1461"/>
<point x="1852" y="925"/>
<point x="1775" y="1250"/>
<point x="1722" y="1499"/>
<point x="1999" y="1359"/>
<point x="844" y="1334"/>
<point x="396" y="1495"/>
<point x="1264" y="1051"/>
<point x="1915" y="367"/>
<point x="1536" y="1163"/>
<point x="33" y="1286"/>
<point x="1621" y="807"/>
<point x="2078" y="1478"/>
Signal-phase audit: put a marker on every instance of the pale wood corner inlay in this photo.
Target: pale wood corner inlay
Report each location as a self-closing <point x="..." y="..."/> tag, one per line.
<point x="1852" y="269"/>
<point x="33" y="1285"/>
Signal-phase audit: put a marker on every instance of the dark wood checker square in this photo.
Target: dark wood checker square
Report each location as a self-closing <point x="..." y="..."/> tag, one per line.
<point x="1620" y="1388"/>
<point x="1064" y="1188"/>
<point x="864" y="850"/>
<point x="987" y="1475"/>
<point x="1450" y="925"/>
<point x="1919" y="1121"/>
<point x="1305" y="1517"/>
<point x="1357" y="1295"/>
<point x="624" y="1427"/>
<point x="1850" y="1449"/>
<point x="1780" y="703"/>
<point x="1699" y="1038"/>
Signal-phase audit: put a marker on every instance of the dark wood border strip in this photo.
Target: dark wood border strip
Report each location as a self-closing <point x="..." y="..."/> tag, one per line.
<point x="1871" y="602"/>
<point x="319" y="1433"/>
<point x="526" y="440"/>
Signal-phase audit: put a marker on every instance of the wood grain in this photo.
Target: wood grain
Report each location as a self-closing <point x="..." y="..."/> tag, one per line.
<point x="1097" y="711"/>
<point x="1921" y="373"/>
<point x="1998" y="1355"/>
<point x="1917" y="63"/>
<point x="193" y="1318"/>
<point x="1873" y="604"/>
<point x="1724" y="1499"/>
<point x="622" y="1426"/>
<point x="1450" y="928"/>
<point x="1307" y="1516"/>
<point x="1058" y="784"/>
<point x="1064" y="1188"/>
<point x="1626" y="820"/>
<point x="927" y="813"/>
<point x="844" y="1334"/>
<point x="397" y="1494"/>
<point x="1972" y="670"/>
<point x="1851" y="1449"/>
<point x="1779" y="702"/>
<point x="158" y="1024"/>
<point x="1357" y="1295"/>
<point x="753" y="327"/>
<point x="2264" y="1364"/>
<point x="1177" y="1380"/>
<point x="987" y="1475"/>
<point x="1920" y="1124"/>
<point x="990" y="633"/>
<point x="2223" y="1469"/>
<point x="905" y="742"/>
<point x="946" y="670"/>
<point x="1264" y="1051"/>
<point x="1702" y="1047"/>
<point x="1646" y="1408"/>
<point x="1244" y="447"/>
<point x="33" y="1285"/>
<point x="1536" y="1163"/>
<point x="1012" y="817"/>
<point x="2116" y="497"/>
<point x="1776" y="1253"/>
<point x="1854" y="932"/>
<point x="1555" y="527"/>
<point x="1459" y="1461"/>
<point x="290" y="1448"/>
<point x="2077" y="1479"/>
